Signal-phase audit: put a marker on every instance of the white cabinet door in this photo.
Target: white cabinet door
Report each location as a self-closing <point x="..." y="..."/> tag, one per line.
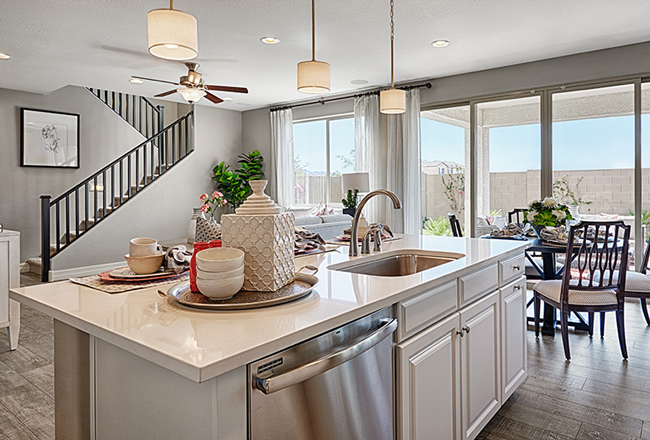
<point x="429" y="383"/>
<point x="513" y="336"/>
<point x="480" y="364"/>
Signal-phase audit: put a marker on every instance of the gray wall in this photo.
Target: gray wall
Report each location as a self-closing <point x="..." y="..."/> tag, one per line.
<point x="163" y="210"/>
<point x="590" y="66"/>
<point x="103" y="137"/>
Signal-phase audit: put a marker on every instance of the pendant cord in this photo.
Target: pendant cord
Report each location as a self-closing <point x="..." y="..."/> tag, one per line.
<point x="171" y="4"/>
<point x="392" y="37"/>
<point x="313" y="31"/>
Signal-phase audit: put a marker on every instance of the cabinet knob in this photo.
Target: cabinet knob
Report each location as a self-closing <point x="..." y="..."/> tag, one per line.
<point x="466" y="329"/>
<point x="517" y="287"/>
<point x="516" y="267"/>
<point x="461" y="332"/>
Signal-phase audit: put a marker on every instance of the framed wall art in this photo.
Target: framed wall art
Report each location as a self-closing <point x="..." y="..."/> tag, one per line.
<point x="49" y="139"/>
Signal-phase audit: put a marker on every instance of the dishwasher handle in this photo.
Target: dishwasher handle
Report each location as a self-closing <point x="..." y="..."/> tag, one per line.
<point x="314" y="368"/>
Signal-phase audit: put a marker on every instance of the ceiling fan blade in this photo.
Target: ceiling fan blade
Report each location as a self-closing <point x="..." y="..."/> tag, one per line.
<point x="160" y="95"/>
<point x="227" y="89"/>
<point x="157" y="80"/>
<point x="214" y="99"/>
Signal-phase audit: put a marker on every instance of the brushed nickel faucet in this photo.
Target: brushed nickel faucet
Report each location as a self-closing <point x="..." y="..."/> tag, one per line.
<point x="354" y="233"/>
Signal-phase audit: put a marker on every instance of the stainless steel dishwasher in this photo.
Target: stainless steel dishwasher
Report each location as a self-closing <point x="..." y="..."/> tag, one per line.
<point x="336" y="386"/>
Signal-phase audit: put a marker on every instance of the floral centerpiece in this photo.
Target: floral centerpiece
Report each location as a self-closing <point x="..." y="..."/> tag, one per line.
<point x="547" y="212"/>
<point x="211" y="203"/>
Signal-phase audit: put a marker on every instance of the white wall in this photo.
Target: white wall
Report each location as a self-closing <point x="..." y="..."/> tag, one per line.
<point x="163" y="209"/>
<point x="103" y="137"/>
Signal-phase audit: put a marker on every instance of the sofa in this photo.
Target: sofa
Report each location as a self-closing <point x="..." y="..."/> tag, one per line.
<point x="327" y="226"/>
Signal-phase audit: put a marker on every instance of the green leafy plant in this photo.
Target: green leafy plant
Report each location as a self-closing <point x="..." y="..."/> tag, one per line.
<point x="496" y="212"/>
<point x="565" y="194"/>
<point x="547" y="212"/>
<point x="234" y="184"/>
<point x="455" y="191"/>
<point x="350" y="202"/>
<point x="439" y="226"/>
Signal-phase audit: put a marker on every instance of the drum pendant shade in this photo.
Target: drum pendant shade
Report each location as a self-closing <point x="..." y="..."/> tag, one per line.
<point x="172" y="34"/>
<point x="392" y="101"/>
<point x="313" y="77"/>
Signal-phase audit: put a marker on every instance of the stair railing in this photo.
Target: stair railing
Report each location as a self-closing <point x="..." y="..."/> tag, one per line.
<point x="75" y="212"/>
<point x="138" y="111"/>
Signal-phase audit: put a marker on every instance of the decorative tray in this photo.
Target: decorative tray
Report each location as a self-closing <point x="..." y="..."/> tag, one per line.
<point x="301" y="286"/>
<point x="122" y="275"/>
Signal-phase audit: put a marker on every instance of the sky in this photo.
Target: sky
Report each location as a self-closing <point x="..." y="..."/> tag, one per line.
<point x="601" y="143"/>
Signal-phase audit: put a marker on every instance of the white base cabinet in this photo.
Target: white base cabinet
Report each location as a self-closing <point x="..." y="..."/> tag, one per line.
<point x="10" y="279"/>
<point x="453" y="376"/>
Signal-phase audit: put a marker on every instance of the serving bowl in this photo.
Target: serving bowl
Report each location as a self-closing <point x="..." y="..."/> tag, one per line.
<point x="222" y="259"/>
<point x="220" y="289"/>
<point x="145" y="265"/>
<point x="207" y="275"/>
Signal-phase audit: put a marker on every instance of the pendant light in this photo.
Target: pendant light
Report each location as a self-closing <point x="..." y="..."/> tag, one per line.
<point x="392" y="101"/>
<point x="172" y="34"/>
<point x="313" y="76"/>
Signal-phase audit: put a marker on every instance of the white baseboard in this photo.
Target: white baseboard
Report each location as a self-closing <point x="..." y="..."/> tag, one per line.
<point x="64" y="274"/>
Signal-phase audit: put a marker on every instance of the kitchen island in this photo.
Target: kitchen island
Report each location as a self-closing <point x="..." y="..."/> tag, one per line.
<point x="136" y="365"/>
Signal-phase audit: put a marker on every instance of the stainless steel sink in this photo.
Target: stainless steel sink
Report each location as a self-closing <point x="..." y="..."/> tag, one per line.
<point x="399" y="264"/>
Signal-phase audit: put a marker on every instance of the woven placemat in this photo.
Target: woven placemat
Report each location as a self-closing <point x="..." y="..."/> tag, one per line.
<point x="95" y="282"/>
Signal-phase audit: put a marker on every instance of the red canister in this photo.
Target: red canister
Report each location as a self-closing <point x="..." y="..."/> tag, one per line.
<point x="198" y="246"/>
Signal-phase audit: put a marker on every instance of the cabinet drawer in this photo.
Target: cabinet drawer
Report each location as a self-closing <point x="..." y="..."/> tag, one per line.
<point x="426" y="308"/>
<point x="512" y="268"/>
<point x="471" y="286"/>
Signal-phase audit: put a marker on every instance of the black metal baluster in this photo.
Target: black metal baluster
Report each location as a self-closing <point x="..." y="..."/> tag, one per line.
<point x="173" y="145"/>
<point x="104" y="189"/>
<point x="120" y="103"/>
<point x="95" y="197"/>
<point x="128" y="175"/>
<point x="140" y="114"/>
<point x="57" y="234"/>
<point x="187" y="135"/>
<point x="126" y="108"/>
<point x="76" y="212"/>
<point x="137" y="170"/>
<point x="67" y="220"/>
<point x="121" y="181"/>
<point x="113" y="187"/>
<point x="153" y="170"/>
<point x="86" y="207"/>
<point x="144" y="164"/>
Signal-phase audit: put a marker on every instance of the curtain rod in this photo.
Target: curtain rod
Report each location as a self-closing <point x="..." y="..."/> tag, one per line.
<point x="373" y="92"/>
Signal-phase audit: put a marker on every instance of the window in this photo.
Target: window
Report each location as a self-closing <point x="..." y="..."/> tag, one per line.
<point x="323" y="149"/>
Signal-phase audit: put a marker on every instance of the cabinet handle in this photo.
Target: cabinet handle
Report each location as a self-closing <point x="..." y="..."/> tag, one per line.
<point x="466" y="329"/>
<point x="516" y="267"/>
<point x="517" y="287"/>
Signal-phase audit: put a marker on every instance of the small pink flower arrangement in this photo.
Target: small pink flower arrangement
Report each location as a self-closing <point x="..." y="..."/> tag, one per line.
<point x="211" y="203"/>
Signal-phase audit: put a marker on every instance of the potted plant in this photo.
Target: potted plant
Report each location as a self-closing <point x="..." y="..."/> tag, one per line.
<point x="547" y="212"/>
<point x="234" y="184"/>
<point x="350" y="202"/>
<point x="570" y="196"/>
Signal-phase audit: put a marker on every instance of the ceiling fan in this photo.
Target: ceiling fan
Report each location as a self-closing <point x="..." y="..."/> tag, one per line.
<point x="192" y="87"/>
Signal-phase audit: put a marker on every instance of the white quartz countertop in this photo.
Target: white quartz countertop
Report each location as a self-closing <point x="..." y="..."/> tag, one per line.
<point x="201" y="344"/>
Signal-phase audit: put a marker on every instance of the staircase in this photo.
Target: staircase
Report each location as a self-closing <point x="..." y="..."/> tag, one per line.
<point x="65" y="219"/>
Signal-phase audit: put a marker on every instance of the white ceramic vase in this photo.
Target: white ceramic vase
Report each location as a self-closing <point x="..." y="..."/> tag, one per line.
<point x="191" y="227"/>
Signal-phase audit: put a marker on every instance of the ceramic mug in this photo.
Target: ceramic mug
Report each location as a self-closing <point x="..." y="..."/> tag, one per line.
<point x="144" y="247"/>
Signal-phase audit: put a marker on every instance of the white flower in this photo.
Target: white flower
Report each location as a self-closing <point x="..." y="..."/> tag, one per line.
<point x="532" y="203"/>
<point x="559" y="215"/>
<point x="530" y="217"/>
<point x="549" y="201"/>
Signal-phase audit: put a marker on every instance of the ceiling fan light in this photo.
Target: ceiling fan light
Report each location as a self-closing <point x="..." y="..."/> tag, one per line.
<point x="313" y="77"/>
<point x="191" y="95"/>
<point x="392" y="101"/>
<point x="173" y="34"/>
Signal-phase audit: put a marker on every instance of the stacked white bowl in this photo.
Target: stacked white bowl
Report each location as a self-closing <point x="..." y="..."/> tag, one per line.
<point x="220" y="272"/>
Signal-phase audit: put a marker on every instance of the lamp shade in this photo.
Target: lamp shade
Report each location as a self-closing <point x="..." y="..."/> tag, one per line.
<point x="360" y="181"/>
<point x="172" y="34"/>
<point x="191" y="95"/>
<point x="392" y="101"/>
<point x="313" y="77"/>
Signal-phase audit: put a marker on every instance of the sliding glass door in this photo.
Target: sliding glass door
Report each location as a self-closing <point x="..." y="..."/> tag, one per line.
<point x="445" y="148"/>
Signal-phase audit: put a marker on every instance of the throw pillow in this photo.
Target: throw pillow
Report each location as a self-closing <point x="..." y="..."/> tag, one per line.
<point x="207" y="230"/>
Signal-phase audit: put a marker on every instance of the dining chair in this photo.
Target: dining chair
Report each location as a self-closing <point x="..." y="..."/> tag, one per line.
<point x="593" y="279"/>
<point x="456" y="231"/>
<point x="517" y="216"/>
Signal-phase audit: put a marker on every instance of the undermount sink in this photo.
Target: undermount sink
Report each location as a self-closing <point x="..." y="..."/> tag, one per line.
<point x="401" y="263"/>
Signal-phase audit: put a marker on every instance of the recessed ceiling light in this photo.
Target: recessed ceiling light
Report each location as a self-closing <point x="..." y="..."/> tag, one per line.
<point x="4" y="56"/>
<point x="440" y="43"/>
<point x="359" y="82"/>
<point x="243" y="104"/>
<point x="136" y="81"/>
<point x="270" y="40"/>
<point x="227" y="98"/>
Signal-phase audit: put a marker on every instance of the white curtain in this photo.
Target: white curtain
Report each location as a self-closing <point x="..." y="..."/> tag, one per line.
<point x="366" y="133"/>
<point x="281" y="175"/>
<point x="412" y="190"/>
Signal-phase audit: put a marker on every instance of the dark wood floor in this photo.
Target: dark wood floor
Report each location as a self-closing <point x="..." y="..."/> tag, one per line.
<point x="595" y="396"/>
